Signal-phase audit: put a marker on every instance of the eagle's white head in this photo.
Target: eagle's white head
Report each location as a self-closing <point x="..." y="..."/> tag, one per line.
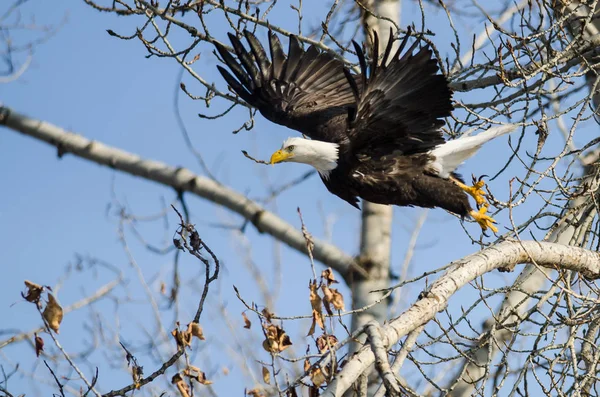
<point x="321" y="155"/>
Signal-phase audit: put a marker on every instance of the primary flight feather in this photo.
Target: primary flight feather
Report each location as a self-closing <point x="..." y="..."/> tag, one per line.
<point x="374" y="135"/>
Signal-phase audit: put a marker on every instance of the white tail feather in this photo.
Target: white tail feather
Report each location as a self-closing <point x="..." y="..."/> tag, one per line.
<point x="453" y="153"/>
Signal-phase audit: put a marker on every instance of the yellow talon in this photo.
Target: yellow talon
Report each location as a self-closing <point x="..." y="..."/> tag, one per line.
<point x="485" y="221"/>
<point x="475" y="191"/>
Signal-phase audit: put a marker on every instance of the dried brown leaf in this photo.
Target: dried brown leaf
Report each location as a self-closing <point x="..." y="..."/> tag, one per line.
<point x="195" y="240"/>
<point x="53" y="313"/>
<point x="256" y="393"/>
<point x="328" y="276"/>
<point x="33" y="293"/>
<point x="276" y="339"/>
<point x="183" y="388"/>
<point x="338" y="299"/>
<point x="177" y="244"/>
<point x="196" y="57"/>
<point x="316" y="304"/>
<point x="268" y="315"/>
<point x="183" y="338"/>
<point x="332" y="296"/>
<point x="247" y="323"/>
<point x="324" y="341"/>
<point x="196" y="330"/>
<point x="196" y="374"/>
<point x="39" y="344"/>
<point x="266" y="375"/>
<point x="316" y="376"/>
<point x="306" y="365"/>
<point x="313" y="324"/>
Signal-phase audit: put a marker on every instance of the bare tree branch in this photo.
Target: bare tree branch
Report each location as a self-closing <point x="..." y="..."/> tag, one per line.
<point x="501" y="256"/>
<point x="180" y="179"/>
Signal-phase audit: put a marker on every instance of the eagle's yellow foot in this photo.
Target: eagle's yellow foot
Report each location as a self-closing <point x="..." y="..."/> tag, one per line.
<point x="475" y="191"/>
<point x="485" y="221"/>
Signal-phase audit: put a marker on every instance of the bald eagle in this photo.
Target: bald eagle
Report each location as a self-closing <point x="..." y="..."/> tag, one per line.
<point x="374" y="135"/>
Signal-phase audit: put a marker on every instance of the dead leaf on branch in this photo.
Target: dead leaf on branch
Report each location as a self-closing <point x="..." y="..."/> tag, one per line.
<point x="195" y="373"/>
<point x="33" y="293"/>
<point x="266" y="374"/>
<point x="137" y="373"/>
<point x="268" y="315"/>
<point x="317" y="311"/>
<point x="178" y="245"/>
<point x="324" y="341"/>
<point x="328" y="276"/>
<point x="53" y="313"/>
<point x="184" y="338"/>
<point x="195" y="240"/>
<point x="39" y="344"/>
<point x="332" y="296"/>
<point x="277" y="340"/>
<point x="315" y="374"/>
<point x="183" y="388"/>
<point x="255" y="393"/>
<point x="247" y="323"/>
<point x="196" y="330"/>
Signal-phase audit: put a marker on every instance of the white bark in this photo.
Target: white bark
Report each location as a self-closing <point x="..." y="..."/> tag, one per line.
<point x="501" y="256"/>
<point x="180" y="179"/>
<point x="382" y="364"/>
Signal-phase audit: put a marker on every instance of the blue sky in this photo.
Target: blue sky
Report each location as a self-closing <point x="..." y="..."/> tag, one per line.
<point x="54" y="209"/>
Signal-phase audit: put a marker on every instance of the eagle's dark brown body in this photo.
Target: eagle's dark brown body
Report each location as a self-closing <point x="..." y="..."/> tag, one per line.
<point x="397" y="180"/>
<point x="385" y="121"/>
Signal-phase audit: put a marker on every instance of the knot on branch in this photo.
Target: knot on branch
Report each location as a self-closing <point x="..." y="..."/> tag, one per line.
<point x="255" y="220"/>
<point x="4" y="113"/>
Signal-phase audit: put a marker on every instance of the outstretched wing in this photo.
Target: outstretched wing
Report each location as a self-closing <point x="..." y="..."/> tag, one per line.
<point x="400" y="105"/>
<point x="305" y="90"/>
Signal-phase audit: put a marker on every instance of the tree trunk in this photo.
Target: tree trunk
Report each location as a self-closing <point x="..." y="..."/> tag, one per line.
<point x="375" y="243"/>
<point x="376" y="219"/>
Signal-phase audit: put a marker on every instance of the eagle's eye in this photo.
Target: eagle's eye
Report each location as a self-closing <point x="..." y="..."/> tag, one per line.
<point x="290" y="148"/>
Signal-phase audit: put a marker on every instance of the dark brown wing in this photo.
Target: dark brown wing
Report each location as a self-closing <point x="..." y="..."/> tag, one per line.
<point x="400" y="104"/>
<point x="305" y="90"/>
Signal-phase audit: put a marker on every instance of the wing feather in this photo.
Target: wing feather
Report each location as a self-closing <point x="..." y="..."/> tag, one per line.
<point x="233" y="65"/>
<point x="277" y="55"/>
<point x="245" y="59"/>
<point x="402" y="105"/>
<point x="305" y="90"/>
<point x="260" y="55"/>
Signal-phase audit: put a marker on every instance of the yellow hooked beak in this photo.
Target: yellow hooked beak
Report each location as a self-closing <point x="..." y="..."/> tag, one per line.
<point x="279" y="156"/>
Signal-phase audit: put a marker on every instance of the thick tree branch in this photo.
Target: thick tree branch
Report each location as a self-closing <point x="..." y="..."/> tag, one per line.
<point x="502" y="256"/>
<point x="180" y="179"/>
